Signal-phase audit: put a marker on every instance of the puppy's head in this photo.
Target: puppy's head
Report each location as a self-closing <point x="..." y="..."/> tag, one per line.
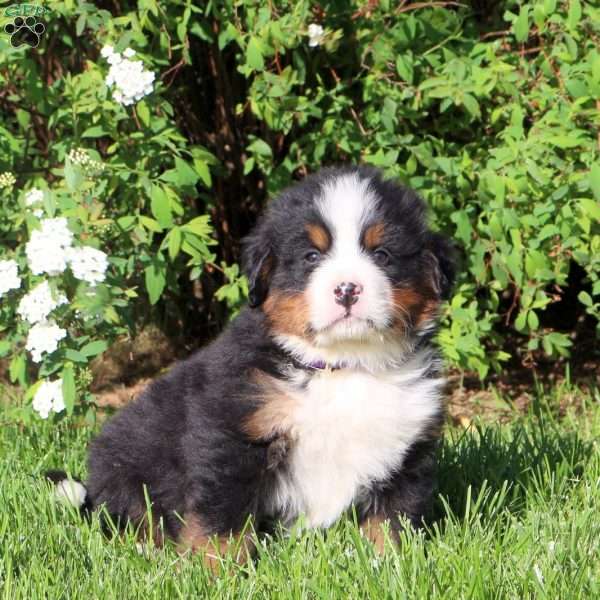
<point x="343" y="263"/>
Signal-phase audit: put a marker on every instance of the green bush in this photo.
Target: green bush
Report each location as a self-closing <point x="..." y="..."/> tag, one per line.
<point x="490" y="110"/>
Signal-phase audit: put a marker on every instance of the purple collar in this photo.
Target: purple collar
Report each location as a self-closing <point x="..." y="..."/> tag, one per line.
<point x="315" y="365"/>
<point x="321" y="365"/>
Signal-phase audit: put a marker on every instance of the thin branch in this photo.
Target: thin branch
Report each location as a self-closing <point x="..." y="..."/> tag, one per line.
<point x="419" y="5"/>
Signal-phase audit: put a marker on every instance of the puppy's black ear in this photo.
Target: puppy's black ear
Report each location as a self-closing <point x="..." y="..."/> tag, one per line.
<point x="258" y="261"/>
<point x="444" y="258"/>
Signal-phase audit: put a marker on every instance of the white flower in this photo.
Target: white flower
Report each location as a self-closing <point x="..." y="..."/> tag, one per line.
<point x="49" y="397"/>
<point x="79" y="156"/>
<point x="114" y="59"/>
<point x="7" y="180"/>
<point x="58" y="230"/>
<point x="88" y="264"/>
<point x="130" y="79"/>
<point x="39" y="303"/>
<point x="47" y="249"/>
<point x="33" y="196"/>
<point x="44" y="337"/>
<point x="9" y="276"/>
<point x="315" y="34"/>
<point x="107" y="51"/>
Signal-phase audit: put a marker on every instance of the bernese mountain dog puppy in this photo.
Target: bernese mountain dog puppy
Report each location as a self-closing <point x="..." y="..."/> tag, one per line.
<point x="322" y="396"/>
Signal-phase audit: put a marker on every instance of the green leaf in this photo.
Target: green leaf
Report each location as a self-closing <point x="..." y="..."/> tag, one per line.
<point x="532" y="320"/>
<point x="471" y="105"/>
<point x="174" y="242"/>
<point x="590" y="208"/>
<point x="126" y="222"/>
<point x="150" y="224"/>
<point x="585" y="299"/>
<point x="17" y="369"/>
<point x="463" y="225"/>
<point x="200" y="226"/>
<point x="260" y="147"/>
<point x="155" y="278"/>
<point x="160" y="205"/>
<point x="73" y="176"/>
<point x="143" y="112"/>
<point x="520" y="321"/>
<point x="69" y="389"/>
<point x="75" y="356"/>
<point x="203" y="171"/>
<point x="249" y="165"/>
<point x="187" y="175"/>
<point x="94" y="348"/>
<point x="521" y="24"/>
<point x="94" y="132"/>
<point x="594" y="179"/>
<point x="254" y="55"/>
<point x="559" y="339"/>
<point x="574" y="14"/>
<point x="404" y="67"/>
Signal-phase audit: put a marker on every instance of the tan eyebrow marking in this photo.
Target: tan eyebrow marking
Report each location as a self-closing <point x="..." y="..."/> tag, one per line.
<point x="373" y="236"/>
<point x="319" y="236"/>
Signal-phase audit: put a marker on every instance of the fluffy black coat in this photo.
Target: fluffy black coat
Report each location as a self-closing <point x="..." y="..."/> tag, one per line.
<point x="184" y="439"/>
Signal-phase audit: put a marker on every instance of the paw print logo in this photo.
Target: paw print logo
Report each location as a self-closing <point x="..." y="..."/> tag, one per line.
<point x="25" y="31"/>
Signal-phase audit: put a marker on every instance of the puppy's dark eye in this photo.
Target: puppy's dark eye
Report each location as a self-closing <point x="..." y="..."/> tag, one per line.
<point x="382" y="257"/>
<point x="312" y="257"/>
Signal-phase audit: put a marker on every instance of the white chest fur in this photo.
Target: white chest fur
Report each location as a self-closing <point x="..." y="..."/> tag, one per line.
<point x="348" y="429"/>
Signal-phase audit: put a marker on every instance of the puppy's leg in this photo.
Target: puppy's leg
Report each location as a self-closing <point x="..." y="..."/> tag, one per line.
<point x="195" y="537"/>
<point x="407" y="494"/>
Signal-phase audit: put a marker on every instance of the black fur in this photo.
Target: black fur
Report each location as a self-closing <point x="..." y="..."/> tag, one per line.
<point x="184" y="440"/>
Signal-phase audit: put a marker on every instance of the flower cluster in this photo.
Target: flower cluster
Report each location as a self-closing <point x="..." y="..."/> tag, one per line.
<point x="50" y="251"/>
<point x="88" y="264"/>
<point x="34" y="197"/>
<point x="80" y="157"/>
<point x="49" y="397"/>
<point x="39" y="303"/>
<point x="47" y="248"/>
<point x="35" y="308"/>
<point x="7" y="180"/>
<point x="9" y="276"/>
<point x="131" y="81"/>
<point x="316" y="33"/>
<point x="43" y="338"/>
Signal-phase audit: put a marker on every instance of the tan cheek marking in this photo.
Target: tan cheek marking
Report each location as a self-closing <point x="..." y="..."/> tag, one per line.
<point x="374" y="236"/>
<point x="318" y="236"/>
<point x="288" y="313"/>
<point x="373" y="529"/>
<point x="274" y="416"/>
<point x="194" y="538"/>
<point x="413" y="308"/>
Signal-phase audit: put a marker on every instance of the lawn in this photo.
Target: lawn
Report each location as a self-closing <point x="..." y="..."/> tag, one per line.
<point x="517" y="516"/>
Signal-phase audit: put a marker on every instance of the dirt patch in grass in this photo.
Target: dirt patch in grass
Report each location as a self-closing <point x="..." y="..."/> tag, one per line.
<point x="125" y="369"/>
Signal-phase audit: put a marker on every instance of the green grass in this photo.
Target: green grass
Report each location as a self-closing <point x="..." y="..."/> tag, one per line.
<point x="517" y="516"/>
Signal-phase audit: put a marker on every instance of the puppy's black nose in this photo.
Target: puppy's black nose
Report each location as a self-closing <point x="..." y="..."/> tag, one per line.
<point x="347" y="293"/>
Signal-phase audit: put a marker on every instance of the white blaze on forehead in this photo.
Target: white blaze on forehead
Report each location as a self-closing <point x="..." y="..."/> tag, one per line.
<point x="345" y="204"/>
